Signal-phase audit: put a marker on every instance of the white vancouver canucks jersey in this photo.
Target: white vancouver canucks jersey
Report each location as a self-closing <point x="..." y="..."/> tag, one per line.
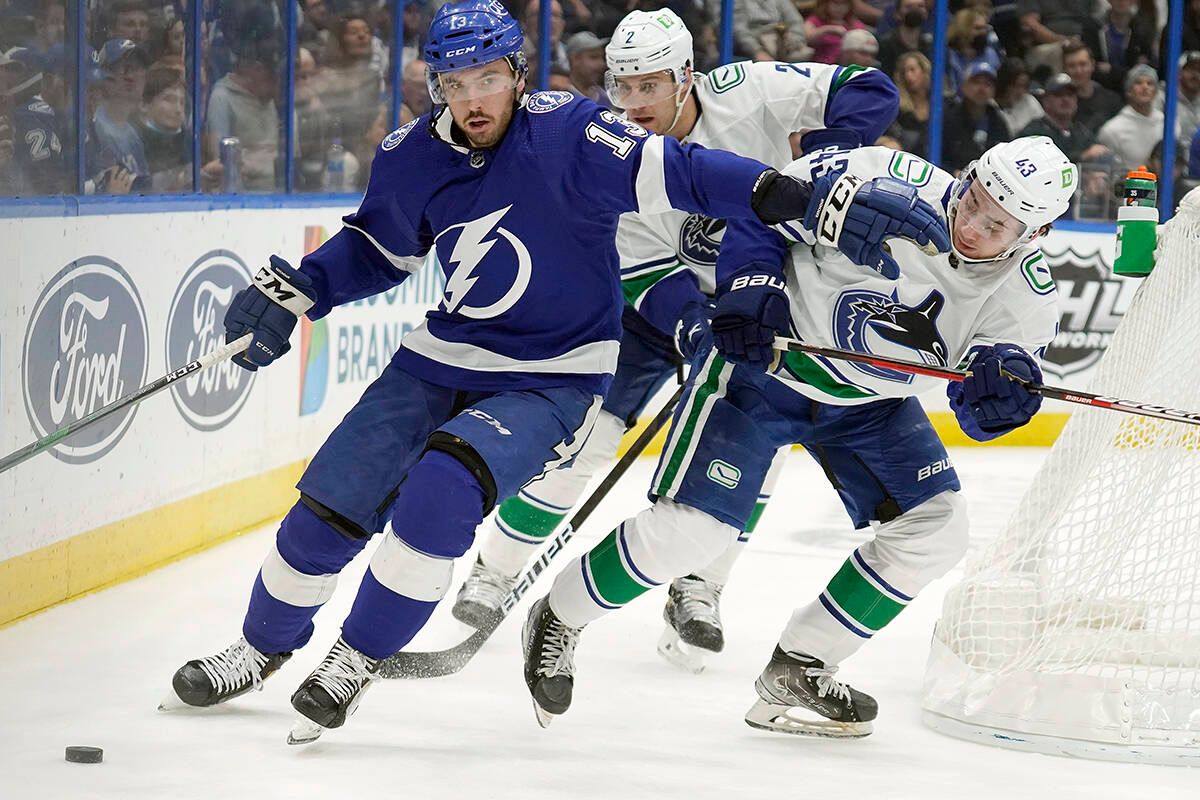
<point x="934" y="314"/>
<point x="750" y="109"/>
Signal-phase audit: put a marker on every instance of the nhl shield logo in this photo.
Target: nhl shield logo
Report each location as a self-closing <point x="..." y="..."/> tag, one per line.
<point x="1092" y="302"/>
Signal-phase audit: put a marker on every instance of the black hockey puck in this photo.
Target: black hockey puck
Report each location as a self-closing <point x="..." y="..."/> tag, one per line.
<point x="85" y="755"/>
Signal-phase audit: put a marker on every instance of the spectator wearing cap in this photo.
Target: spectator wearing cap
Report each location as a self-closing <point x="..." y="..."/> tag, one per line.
<point x="1012" y="94"/>
<point x="1051" y="24"/>
<point x="1126" y="39"/>
<point x="1060" y="104"/>
<point x="969" y="40"/>
<point x="908" y="36"/>
<point x="1131" y="134"/>
<point x="769" y="30"/>
<point x="586" y="65"/>
<point x="859" y="48"/>
<point x="115" y="152"/>
<point x="826" y="26"/>
<point x="972" y="121"/>
<point x="33" y="150"/>
<point x="1097" y="105"/>
<point x="242" y="106"/>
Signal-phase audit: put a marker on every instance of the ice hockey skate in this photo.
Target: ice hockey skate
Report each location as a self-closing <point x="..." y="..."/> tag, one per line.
<point x="211" y="680"/>
<point x="481" y="595"/>
<point x="799" y="695"/>
<point x="693" y="617"/>
<point x="331" y="693"/>
<point x="549" y="647"/>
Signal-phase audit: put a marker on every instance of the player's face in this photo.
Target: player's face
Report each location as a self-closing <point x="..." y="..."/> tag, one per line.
<point x="481" y="100"/>
<point x="648" y="100"/>
<point x="982" y="229"/>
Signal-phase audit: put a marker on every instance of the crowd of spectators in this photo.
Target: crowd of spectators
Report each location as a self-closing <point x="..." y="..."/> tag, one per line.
<point x="1084" y="72"/>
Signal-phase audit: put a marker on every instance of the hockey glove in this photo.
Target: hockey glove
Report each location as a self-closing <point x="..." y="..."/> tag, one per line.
<point x="991" y="403"/>
<point x="268" y="308"/>
<point x="693" y="332"/>
<point x="752" y="308"/>
<point x="858" y="216"/>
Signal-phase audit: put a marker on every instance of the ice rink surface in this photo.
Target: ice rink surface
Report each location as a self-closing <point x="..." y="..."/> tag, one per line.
<point x="91" y="672"/>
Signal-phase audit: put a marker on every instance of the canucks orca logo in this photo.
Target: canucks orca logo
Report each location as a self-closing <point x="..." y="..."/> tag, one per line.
<point x="863" y="319"/>
<point x="700" y="239"/>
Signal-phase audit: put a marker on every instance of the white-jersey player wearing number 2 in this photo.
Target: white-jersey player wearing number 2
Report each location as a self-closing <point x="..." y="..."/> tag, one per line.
<point x="668" y="262"/>
<point x="988" y="304"/>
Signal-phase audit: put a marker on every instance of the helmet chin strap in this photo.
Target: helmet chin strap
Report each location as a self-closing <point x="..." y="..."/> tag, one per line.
<point x="680" y="102"/>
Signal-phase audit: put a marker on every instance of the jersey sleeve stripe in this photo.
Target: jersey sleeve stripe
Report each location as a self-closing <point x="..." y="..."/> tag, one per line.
<point x="630" y="271"/>
<point x="651" y="184"/>
<point x="401" y="263"/>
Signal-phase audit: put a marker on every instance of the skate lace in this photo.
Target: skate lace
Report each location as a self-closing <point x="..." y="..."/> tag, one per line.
<point x="487" y="586"/>
<point x="232" y="667"/>
<point x="826" y="685"/>
<point x="699" y="600"/>
<point x="343" y="672"/>
<point x="558" y="649"/>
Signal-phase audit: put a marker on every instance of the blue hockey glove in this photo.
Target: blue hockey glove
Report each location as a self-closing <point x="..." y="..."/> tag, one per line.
<point x="991" y="402"/>
<point x="693" y="333"/>
<point x="751" y="309"/>
<point x="858" y="216"/>
<point x="268" y="308"/>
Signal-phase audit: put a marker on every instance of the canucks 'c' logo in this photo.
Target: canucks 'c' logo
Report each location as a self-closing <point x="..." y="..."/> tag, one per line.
<point x="864" y="320"/>
<point x="700" y="239"/>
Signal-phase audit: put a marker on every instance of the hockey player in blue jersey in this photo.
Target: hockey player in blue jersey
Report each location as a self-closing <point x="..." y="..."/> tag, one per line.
<point x="667" y="269"/>
<point x="519" y="197"/>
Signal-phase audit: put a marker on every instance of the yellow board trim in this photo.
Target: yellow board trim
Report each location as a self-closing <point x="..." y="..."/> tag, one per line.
<point x="119" y="551"/>
<point x="1042" y="431"/>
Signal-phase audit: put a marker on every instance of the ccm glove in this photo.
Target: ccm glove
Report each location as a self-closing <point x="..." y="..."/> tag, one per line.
<point x="989" y="401"/>
<point x="268" y="308"/>
<point x="751" y="309"/>
<point x="693" y="332"/>
<point x="858" y="216"/>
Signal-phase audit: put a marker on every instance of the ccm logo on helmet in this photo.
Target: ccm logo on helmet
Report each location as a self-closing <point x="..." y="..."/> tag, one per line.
<point x="460" y="52"/>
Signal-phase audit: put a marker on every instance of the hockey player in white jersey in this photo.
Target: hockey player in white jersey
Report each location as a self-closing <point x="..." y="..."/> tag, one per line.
<point x="667" y="264"/>
<point x="989" y="304"/>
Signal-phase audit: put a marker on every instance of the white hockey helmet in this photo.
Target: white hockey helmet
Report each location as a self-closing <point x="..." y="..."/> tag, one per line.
<point x="1029" y="177"/>
<point x="646" y="42"/>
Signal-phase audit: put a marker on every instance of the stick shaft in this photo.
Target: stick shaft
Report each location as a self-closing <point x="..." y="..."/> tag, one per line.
<point x="133" y="398"/>
<point x="1053" y="392"/>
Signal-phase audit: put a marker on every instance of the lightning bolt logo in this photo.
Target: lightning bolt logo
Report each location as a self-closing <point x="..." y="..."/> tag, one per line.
<point x="469" y="251"/>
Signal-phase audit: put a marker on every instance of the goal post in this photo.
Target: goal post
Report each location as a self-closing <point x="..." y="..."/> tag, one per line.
<point x="1077" y="631"/>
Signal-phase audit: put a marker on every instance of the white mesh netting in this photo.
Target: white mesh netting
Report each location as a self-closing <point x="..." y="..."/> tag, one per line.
<point x="1078" y="630"/>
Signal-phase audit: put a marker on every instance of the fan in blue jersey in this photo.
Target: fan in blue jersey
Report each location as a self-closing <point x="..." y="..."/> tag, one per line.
<point x="519" y="198"/>
<point x="38" y="166"/>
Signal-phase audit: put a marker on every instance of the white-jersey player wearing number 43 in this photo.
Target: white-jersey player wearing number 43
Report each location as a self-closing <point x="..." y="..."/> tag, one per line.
<point x="668" y="262"/>
<point x="989" y="305"/>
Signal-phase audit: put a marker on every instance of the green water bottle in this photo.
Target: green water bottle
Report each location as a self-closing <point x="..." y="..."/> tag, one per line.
<point x="1137" y="225"/>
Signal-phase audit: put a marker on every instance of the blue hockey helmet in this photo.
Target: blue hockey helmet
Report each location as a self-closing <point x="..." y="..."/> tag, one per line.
<point x="472" y="33"/>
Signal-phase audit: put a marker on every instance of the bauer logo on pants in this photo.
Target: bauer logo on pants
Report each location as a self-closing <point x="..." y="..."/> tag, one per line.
<point x="85" y="347"/>
<point x="207" y="399"/>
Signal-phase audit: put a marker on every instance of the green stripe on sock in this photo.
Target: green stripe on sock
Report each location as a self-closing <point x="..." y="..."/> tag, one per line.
<point x="755" y="515"/>
<point x="702" y="392"/>
<point x="806" y="370"/>
<point x="527" y="519"/>
<point x="612" y="580"/>
<point x="859" y="598"/>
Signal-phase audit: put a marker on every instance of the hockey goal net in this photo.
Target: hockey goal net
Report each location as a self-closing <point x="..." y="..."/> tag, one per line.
<point x="1077" y="631"/>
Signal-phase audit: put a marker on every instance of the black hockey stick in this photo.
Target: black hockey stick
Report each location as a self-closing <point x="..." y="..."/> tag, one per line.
<point x="946" y="373"/>
<point x="205" y="361"/>
<point x="438" y="663"/>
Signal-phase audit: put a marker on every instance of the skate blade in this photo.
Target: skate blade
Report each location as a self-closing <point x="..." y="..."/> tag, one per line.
<point x="544" y="717"/>
<point x="172" y="702"/>
<point x="776" y="718"/>
<point x="304" y="731"/>
<point x="681" y="654"/>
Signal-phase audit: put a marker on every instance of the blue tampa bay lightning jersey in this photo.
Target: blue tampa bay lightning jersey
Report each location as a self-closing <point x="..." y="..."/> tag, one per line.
<point x="524" y="233"/>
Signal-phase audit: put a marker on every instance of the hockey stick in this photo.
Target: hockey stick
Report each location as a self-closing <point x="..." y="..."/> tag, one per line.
<point x="438" y="663"/>
<point x="945" y="373"/>
<point x="203" y="362"/>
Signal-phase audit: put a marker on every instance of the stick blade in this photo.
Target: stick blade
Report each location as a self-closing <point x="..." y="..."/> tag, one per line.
<point x="435" y="663"/>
